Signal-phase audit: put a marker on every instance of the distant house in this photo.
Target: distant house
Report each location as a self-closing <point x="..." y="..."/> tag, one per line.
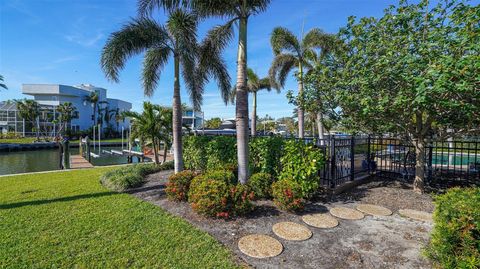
<point x="50" y="96"/>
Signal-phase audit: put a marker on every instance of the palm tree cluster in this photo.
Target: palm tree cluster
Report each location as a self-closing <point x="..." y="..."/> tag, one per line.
<point x="198" y="62"/>
<point x="152" y="126"/>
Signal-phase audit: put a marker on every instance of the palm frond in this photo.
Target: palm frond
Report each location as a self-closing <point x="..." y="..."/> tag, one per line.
<point x="134" y="37"/>
<point x="282" y="64"/>
<point x="216" y="8"/>
<point x="283" y="40"/>
<point x="317" y="39"/>
<point x="154" y="61"/>
<point x="2" y="85"/>
<point x="257" y="6"/>
<point x="146" y="7"/>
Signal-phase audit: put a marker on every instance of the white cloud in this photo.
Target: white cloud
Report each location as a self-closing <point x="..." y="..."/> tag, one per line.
<point x="83" y="40"/>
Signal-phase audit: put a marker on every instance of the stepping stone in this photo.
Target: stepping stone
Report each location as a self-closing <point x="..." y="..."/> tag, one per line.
<point x="291" y="231"/>
<point x="260" y="246"/>
<point x="346" y="213"/>
<point x="416" y="215"/>
<point x="319" y="220"/>
<point x="374" y="210"/>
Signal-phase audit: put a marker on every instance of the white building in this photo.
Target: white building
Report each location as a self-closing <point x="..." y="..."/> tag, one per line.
<point x="49" y="96"/>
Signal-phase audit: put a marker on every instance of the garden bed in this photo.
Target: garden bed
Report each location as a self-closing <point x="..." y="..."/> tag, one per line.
<point x="372" y="242"/>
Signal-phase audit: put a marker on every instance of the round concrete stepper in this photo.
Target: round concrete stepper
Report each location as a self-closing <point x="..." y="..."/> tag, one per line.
<point x="320" y="220"/>
<point x="416" y="215"/>
<point x="291" y="231"/>
<point x="346" y="213"/>
<point x="260" y="246"/>
<point x="374" y="210"/>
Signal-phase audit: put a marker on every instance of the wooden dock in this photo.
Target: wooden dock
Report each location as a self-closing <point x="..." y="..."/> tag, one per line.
<point x="78" y="162"/>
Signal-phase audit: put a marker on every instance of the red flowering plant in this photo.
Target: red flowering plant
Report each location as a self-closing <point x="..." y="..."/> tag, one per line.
<point x="287" y="195"/>
<point x="178" y="185"/>
<point x="215" y="196"/>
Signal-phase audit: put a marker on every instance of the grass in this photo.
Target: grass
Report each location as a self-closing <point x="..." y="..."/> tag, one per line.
<point x="68" y="220"/>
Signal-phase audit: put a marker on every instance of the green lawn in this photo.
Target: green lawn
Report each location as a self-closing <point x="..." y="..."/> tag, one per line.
<point x="23" y="140"/>
<point x="68" y="220"/>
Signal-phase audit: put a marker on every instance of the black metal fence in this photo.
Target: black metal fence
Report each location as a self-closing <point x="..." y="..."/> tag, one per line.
<point x="350" y="157"/>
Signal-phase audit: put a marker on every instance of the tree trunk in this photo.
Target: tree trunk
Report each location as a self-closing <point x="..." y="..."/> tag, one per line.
<point x="165" y="148"/>
<point x="420" y="153"/>
<point x="37" y="130"/>
<point x="253" y="130"/>
<point x="155" y="152"/>
<point x="321" y="130"/>
<point x="301" y="117"/>
<point x="242" y="102"/>
<point x="177" y="119"/>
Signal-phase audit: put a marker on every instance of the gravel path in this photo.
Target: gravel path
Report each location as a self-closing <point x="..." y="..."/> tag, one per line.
<point x="373" y="242"/>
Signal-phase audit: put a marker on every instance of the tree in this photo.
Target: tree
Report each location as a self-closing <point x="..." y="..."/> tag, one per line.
<point x="2" y="85"/>
<point x="290" y="53"/>
<point x="66" y="114"/>
<point x="93" y="100"/>
<point x="153" y="125"/>
<point x="255" y="84"/>
<point x="413" y="72"/>
<point x="176" y="38"/>
<point x="213" y="123"/>
<point x="234" y="12"/>
<point x="29" y="110"/>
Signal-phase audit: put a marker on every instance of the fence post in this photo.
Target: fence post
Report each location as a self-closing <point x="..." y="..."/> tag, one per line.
<point x="369" y="158"/>
<point x="352" y="158"/>
<point x="429" y="162"/>
<point x="332" y="162"/>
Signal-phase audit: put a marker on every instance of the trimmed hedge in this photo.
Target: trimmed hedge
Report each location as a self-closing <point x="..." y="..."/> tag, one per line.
<point x="203" y="153"/>
<point x="130" y="176"/>
<point x="455" y="239"/>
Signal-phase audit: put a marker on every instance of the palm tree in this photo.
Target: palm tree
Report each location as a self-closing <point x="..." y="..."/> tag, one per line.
<point x="93" y="99"/>
<point x="291" y="52"/>
<point x="152" y="124"/>
<point x="255" y="84"/>
<point x="234" y="12"/>
<point x="66" y="111"/>
<point x="2" y="85"/>
<point x="29" y="110"/>
<point x="176" y="38"/>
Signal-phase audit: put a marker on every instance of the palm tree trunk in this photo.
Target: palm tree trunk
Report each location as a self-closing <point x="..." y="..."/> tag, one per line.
<point x="253" y="130"/>
<point x="165" y="147"/>
<point x="242" y="102"/>
<point x="320" y="127"/>
<point x="155" y="152"/>
<point x="301" y="117"/>
<point x="177" y="119"/>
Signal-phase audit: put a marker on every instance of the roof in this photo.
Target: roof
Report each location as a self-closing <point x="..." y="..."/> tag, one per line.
<point x="8" y="105"/>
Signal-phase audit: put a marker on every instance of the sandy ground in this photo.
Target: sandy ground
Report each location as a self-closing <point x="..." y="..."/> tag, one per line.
<point x="373" y="242"/>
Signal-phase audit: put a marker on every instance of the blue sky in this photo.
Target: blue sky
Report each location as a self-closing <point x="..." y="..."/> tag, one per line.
<point x="60" y="41"/>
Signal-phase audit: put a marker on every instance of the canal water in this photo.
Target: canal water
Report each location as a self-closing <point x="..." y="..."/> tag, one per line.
<point x="48" y="159"/>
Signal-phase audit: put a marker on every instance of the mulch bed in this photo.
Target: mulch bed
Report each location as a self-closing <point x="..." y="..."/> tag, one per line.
<point x="372" y="242"/>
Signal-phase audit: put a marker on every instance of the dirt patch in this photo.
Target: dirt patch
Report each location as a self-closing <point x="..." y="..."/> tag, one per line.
<point x="372" y="242"/>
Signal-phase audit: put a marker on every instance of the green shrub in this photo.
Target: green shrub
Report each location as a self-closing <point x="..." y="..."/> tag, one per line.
<point x="301" y="163"/>
<point x="178" y="185"/>
<point x="130" y="176"/>
<point x="455" y="239"/>
<point x="221" y="151"/>
<point x="224" y="176"/>
<point x="195" y="152"/>
<point x="261" y="184"/>
<point x="287" y="195"/>
<point x="240" y="202"/>
<point x="265" y="154"/>
<point x="215" y="194"/>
